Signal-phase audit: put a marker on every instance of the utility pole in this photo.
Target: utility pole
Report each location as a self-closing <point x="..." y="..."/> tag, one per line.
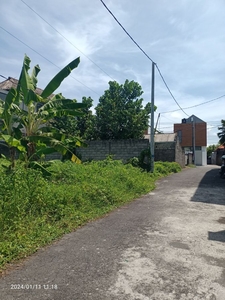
<point x="152" y="142"/>
<point x="193" y="140"/>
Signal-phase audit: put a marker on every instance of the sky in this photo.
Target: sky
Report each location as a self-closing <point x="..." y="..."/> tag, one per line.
<point x="185" y="39"/>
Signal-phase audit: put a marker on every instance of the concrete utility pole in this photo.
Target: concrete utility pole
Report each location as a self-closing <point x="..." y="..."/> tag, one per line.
<point x="152" y="142"/>
<point x="193" y="140"/>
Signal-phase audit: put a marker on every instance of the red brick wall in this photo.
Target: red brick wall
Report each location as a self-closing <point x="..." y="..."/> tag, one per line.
<point x="186" y="129"/>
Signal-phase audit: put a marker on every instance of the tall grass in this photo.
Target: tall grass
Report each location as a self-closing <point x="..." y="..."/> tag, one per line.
<point x="35" y="210"/>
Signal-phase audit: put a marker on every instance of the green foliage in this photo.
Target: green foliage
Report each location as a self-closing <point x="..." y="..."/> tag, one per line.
<point x="145" y="159"/>
<point x="134" y="161"/>
<point x="120" y="113"/>
<point x="80" y="126"/>
<point x="166" y="168"/>
<point x="221" y="134"/>
<point x="25" y="123"/>
<point x="35" y="210"/>
<point x="56" y="81"/>
<point x="87" y="123"/>
<point x="211" y="148"/>
<point x="4" y="164"/>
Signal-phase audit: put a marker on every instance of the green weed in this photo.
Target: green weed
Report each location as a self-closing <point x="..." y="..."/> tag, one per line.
<point x="35" y="210"/>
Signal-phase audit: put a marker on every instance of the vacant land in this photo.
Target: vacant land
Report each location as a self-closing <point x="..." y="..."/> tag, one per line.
<point x="166" y="245"/>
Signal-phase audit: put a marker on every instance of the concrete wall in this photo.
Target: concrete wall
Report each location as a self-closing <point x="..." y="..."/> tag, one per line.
<point x="165" y="150"/>
<point x="126" y="149"/>
<point x="170" y="151"/>
<point x="201" y="157"/>
<point x="4" y="149"/>
<point x="219" y="153"/>
<point x="120" y="149"/>
<point x="179" y="154"/>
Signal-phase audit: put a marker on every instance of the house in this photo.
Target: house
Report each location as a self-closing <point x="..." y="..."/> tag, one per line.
<point x="7" y="84"/>
<point x="10" y="82"/>
<point x="192" y="133"/>
<point x="217" y="154"/>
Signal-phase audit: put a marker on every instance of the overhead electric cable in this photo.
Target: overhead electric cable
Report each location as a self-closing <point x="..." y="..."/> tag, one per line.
<point x="127" y="32"/>
<point x="144" y="54"/>
<point x="170" y="91"/>
<point x="166" y="118"/>
<point x="9" y="78"/>
<point x="65" y="38"/>
<point x="195" y="105"/>
<point x="45" y="58"/>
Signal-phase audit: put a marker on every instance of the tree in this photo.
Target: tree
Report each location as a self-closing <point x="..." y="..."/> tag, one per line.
<point x="221" y="134"/>
<point x="86" y="123"/>
<point x="66" y="125"/>
<point x="81" y="126"/>
<point x="210" y="149"/>
<point x="27" y="129"/>
<point x="120" y="113"/>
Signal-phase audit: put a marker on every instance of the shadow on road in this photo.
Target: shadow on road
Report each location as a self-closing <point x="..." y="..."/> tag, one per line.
<point x="217" y="236"/>
<point x="211" y="189"/>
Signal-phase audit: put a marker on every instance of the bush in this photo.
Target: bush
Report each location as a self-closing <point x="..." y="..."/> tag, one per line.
<point x="166" y="168"/>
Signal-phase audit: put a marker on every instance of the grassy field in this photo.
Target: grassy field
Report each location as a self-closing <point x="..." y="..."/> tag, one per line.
<point x="35" y="210"/>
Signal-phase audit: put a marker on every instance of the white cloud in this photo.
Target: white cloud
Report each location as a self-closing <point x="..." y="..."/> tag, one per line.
<point x="186" y="40"/>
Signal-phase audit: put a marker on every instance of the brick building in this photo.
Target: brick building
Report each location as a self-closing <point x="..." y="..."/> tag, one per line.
<point x="192" y="133"/>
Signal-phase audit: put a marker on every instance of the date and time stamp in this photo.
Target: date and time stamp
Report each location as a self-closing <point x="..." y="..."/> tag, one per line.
<point x="33" y="286"/>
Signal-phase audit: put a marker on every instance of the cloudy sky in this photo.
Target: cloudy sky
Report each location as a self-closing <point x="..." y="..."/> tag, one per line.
<point x="186" y="39"/>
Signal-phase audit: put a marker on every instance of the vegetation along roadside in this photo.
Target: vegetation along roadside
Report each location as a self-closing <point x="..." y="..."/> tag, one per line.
<point x="35" y="209"/>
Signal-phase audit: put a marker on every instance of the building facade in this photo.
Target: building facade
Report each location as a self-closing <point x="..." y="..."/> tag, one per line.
<point x="192" y="133"/>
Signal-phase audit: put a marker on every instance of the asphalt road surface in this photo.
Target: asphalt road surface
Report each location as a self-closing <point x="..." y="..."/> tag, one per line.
<point x="169" y="244"/>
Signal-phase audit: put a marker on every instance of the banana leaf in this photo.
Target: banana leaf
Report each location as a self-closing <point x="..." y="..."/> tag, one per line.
<point x="57" y="80"/>
<point x="12" y="142"/>
<point x="26" y="82"/>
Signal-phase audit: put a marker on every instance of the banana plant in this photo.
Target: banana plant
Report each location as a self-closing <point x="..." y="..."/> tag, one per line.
<point x="10" y="127"/>
<point x="32" y="112"/>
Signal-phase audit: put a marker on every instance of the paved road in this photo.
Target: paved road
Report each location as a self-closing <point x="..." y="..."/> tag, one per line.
<point x="169" y="244"/>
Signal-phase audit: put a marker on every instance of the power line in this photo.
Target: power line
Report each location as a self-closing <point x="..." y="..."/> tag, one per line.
<point x="208" y="129"/>
<point x="45" y="57"/>
<point x="65" y="38"/>
<point x="127" y="32"/>
<point x="166" y="118"/>
<point x="144" y="54"/>
<point x="170" y="91"/>
<point x="9" y="78"/>
<point x="195" y="105"/>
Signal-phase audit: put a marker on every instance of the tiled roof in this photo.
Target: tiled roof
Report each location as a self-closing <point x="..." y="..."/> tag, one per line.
<point x="12" y="82"/>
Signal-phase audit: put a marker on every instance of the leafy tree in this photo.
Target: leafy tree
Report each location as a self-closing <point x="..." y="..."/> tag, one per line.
<point x="86" y="123"/>
<point x="210" y="149"/>
<point x="66" y="125"/>
<point x="120" y="113"/>
<point x="27" y="129"/>
<point x="82" y="126"/>
<point x="221" y="134"/>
